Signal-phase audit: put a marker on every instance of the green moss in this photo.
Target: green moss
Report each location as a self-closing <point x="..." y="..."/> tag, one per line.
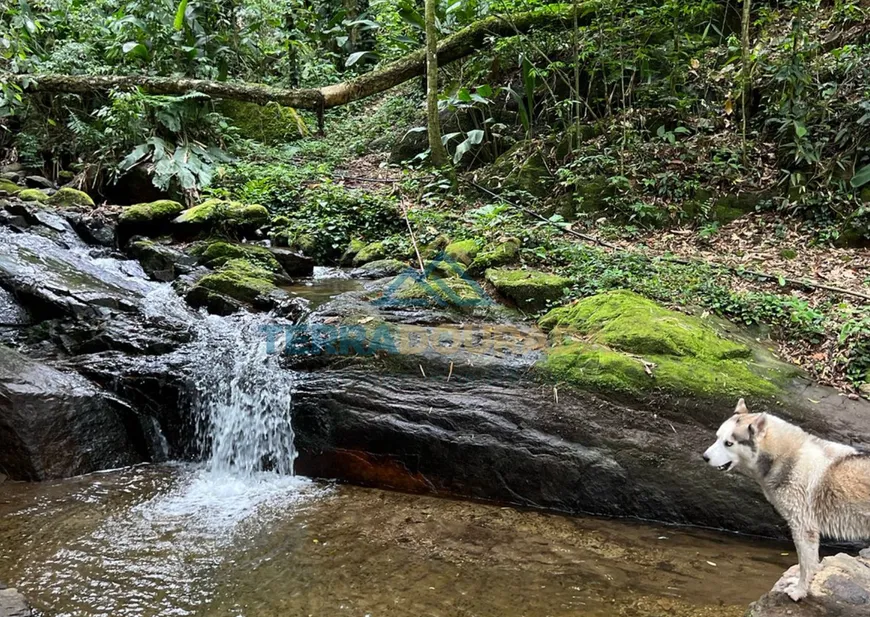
<point x="625" y="321"/>
<point x="370" y="252"/>
<point x="522" y="168"/>
<point x="455" y="292"/>
<point x="271" y="123"/>
<point x="434" y="248"/>
<point x="32" y="195"/>
<point x="623" y="342"/>
<point x="352" y="250"/>
<point x="463" y="251"/>
<point x="788" y="253"/>
<point x="384" y="267"/>
<point x="529" y="289"/>
<point x="70" y="198"/>
<point x="218" y="212"/>
<point x="65" y="175"/>
<point x="149" y="213"/>
<point x="9" y="187"/>
<point x="445" y="269"/>
<point x="218" y="254"/>
<point x="495" y="255"/>
<point x="239" y="279"/>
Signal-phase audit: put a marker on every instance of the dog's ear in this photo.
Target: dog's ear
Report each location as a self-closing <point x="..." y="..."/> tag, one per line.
<point x="741" y="407"/>
<point x="758" y="425"/>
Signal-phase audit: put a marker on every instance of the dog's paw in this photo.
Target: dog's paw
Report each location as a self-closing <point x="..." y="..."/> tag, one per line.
<point x="796" y="592"/>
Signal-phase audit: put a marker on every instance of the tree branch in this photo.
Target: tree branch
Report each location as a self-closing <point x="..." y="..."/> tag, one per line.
<point x="452" y="48"/>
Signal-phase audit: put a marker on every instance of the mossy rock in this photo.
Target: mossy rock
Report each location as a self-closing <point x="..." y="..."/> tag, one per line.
<point x="731" y="207"/>
<point x="522" y="168"/>
<point x="495" y="255"/>
<point x="70" y="198"/>
<point x="9" y="187"/>
<point x="64" y="176"/>
<point x="238" y="279"/>
<point x="370" y="252"/>
<point x="463" y="251"/>
<point x="271" y="123"/>
<point x="621" y="342"/>
<point x="217" y="254"/>
<point x="381" y="268"/>
<point x="456" y="293"/>
<point x="216" y="213"/>
<point x="34" y="195"/>
<point x="435" y="248"/>
<point x="445" y="269"/>
<point x="352" y="250"/>
<point x="152" y="213"/>
<point x="531" y="290"/>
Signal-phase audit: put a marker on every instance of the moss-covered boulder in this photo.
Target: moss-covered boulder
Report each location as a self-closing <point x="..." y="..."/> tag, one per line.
<point x="238" y="282"/>
<point x="495" y="255"/>
<point x="352" y="250"/>
<point x="380" y="268"/>
<point x="7" y="186"/>
<point x="456" y="293"/>
<point x="435" y="248"/>
<point x="463" y="251"/>
<point x="34" y="195"/>
<point x="445" y="269"/>
<point x="217" y="254"/>
<point x="370" y="252"/>
<point x="620" y="342"/>
<point x="221" y="215"/>
<point x="70" y="198"/>
<point x="531" y="290"/>
<point x="522" y="168"/>
<point x="150" y="214"/>
<point x="271" y="123"/>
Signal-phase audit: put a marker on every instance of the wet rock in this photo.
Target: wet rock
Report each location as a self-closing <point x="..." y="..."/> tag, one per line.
<point x="161" y="263"/>
<point x="93" y="229"/>
<point x="530" y="290"/>
<point x="379" y="269"/>
<point x="147" y="219"/>
<point x="12" y="603"/>
<point x="52" y="281"/>
<point x="295" y="264"/>
<point x="841" y="588"/>
<point x="218" y="254"/>
<point x="55" y="424"/>
<point x="350" y="252"/>
<point x="238" y="282"/>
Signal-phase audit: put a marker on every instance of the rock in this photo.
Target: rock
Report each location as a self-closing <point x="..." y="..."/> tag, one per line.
<point x="522" y="168"/>
<point x="379" y="269"/>
<point x="93" y="227"/>
<point x="220" y="253"/>
<point x="841" y="588"/>
<point x="55" y="424"/>
<point x="70" y="198"/>
<point x="226" y="215"/>
<point x="147" y="219"/>
<point x="11" y="312"/>
<point x="620" y="342"/>
<point x="238" y="282"/>
<point x="9" y="188"/>
<point x="32" y="195"/>
<point x="12" y="603"/>
<point x="495" y="255"/>
<point x="161" y="263"/>
<point x="52" y="281"/>
<point x="270" y="124"/>
<point x="531" y="290"/>
<point x="350" y="252"/>
<point x="295" y="264"/>
<point x="463" y="251"/>
<point x="435" y="248"/>
<point x="370" y="252"/>
<point x="39" y="182"/>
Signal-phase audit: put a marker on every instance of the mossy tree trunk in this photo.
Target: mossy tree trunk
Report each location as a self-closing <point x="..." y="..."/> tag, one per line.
<point x="450" y="49"/>
<point x="437" y="150"/>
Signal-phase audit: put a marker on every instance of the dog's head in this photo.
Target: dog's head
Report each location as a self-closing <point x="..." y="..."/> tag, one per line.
<point x="736" y="441"/>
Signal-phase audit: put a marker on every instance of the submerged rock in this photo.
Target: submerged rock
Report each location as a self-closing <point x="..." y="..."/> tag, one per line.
<point x="841" y="588"/>
<point x="55" y="424"/>
<point x="12" y="603"/>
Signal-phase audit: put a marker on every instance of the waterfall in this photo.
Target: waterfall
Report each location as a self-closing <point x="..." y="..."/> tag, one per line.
<point x="241" y="397"/>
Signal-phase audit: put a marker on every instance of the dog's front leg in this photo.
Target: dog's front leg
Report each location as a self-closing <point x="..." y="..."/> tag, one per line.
<point x="807" y="542"/>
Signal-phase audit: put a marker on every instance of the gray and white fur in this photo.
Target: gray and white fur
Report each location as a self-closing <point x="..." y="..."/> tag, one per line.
<point x="821" y="488"/>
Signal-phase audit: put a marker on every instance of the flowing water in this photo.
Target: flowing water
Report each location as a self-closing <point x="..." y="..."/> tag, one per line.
<point x="238" y="535"/>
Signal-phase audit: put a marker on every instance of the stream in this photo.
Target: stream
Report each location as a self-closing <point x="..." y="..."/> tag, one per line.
<point x="238" y="534"/>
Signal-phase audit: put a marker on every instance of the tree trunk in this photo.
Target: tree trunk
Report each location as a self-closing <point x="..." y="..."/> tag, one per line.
<point x="450" y="49"/>
<point x="745" y="77"/>
<point x="437" y="152"/>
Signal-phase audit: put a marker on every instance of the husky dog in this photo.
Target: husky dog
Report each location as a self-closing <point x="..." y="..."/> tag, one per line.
<point x="819" y="487"/>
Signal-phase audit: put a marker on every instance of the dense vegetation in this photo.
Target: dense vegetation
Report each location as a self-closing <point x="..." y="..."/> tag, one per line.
<point x="649" y="115"/>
